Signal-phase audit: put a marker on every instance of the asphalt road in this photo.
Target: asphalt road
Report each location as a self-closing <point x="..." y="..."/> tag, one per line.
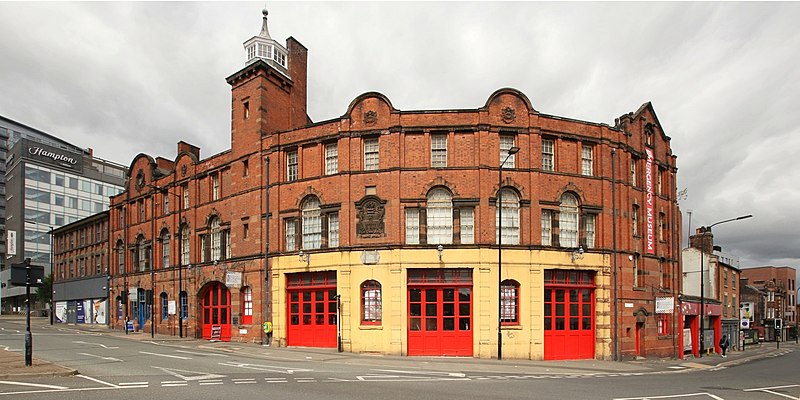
<point x="118" y="368"/>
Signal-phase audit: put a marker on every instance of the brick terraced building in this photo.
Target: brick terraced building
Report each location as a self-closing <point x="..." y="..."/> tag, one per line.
<point x="379" y="230"/>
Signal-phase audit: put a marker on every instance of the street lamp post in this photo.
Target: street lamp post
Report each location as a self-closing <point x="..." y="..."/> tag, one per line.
<point x="702" y="283"/>
<point x="513" y="150"/>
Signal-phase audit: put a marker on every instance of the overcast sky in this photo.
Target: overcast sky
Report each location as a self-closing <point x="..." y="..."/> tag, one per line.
<point x="724" y="79"/>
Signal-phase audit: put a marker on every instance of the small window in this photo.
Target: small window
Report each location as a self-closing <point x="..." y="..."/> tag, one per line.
<point x="635" y="220"/>
<point x="547" y="227"/>
<point x="506" y="143"/>
<point x="548" y="155"/>
<point x="589" y="221"/>
<point x="371" y="309"/>
<point x="587" y="160"/>
<point x="291" y="234"/>
<point x="467" y="225"/>
<point x="333" y="229"/>
<point x="638" y="272"/>
<point x="245" y="167"/>
<point x="439" y="151"/>
<point x="245" y="230"/>
<point x="247" y="305"/>
<point x="185" y="194"/>
<point x="331" y="159"/>
<point x="509" y="302"/>
<point x="246" y="106"/>
<point x="633" y="171"/>
<point x="164" y="306"/>
<point x="291" y="166"/>
<point x="663" y="325"/>
<point x="215" y="186"/>
<point x="412" y="226"/>
<point x="371" y="154"/>
<point x="184" y="306"/>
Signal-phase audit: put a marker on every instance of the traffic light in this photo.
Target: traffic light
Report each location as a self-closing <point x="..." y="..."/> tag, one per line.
<point x="778" y="324"/>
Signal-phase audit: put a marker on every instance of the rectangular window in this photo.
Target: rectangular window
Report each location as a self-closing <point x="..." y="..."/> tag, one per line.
<point x="547" y="227"/>
<point x="215" y="187"/>
<point x="331" y="159"/>
<point x="439" y="151"/>
<point x="666" y="275"/>
<point x="659" y="176"/>
<point x="185" y="195"/>
<point x="586" y="160"/>
<point x="548" y="155"/>
<point x="245" y="167"/>
<point x="635" y="220"/>
<point x="506" y="143"/>
<point x="165" y="200"/>
<point x="589" y="221"/>
<point x="333" y="229"/>
<point x="467" y="226"/>
<point x="291" y="234"/>
<point x="509" y="303"/>
<point x="245" y="230"/>
<point x="291" y="166"/>
<point x="412" y="226"/>
<point x="371" y="304"/>
<point x="633" y="171"/>
<point x="733" y="280"/>
<point x="725" y="277"/>
<point x="246" y="107"/>
<point x="663" y="325"/>
<point x="371" y="154"/>
<point x="662" y="226"/>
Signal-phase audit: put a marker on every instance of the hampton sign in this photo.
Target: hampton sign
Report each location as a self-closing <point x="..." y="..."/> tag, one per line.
<point x="51" y="155"/>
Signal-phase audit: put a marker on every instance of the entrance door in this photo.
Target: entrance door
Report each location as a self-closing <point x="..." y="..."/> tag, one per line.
<point x="440" y="312"/>
<point x="142" y="317"/>
<point x="312" y="309"/>
<point x="569" y="315"/>
<point x="217" y="313"/>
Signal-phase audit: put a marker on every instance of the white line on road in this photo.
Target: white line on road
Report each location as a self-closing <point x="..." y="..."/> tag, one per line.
<point x="673" y="396"/>
<point x="165" y="355"/>
<point x="133" y="383"/>
<point x="97" y="380"/>
<point x="270" y="368"/>
<point x="453" y="374"/>
<point x="210" y="382"/>
<point x="101" y="357"/>
<point x="32" y="385"/>
<point x="96" y="344"/>
<point x="201" y="354"/>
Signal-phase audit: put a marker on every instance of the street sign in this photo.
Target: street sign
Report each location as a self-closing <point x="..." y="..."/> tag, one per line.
<point x="744" y="323"/>
<point x="19" y="274"/>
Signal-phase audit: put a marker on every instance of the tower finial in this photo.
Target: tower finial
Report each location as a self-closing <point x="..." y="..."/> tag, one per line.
<point x="264" y="29"/>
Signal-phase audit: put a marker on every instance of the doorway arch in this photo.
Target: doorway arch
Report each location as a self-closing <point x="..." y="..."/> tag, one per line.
<point x="216" y="312"/>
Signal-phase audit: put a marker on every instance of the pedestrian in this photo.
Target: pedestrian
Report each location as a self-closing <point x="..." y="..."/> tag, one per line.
<point x="723" y="344"/>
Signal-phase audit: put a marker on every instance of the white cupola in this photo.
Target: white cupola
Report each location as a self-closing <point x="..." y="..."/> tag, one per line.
<point x="263" y="47"/>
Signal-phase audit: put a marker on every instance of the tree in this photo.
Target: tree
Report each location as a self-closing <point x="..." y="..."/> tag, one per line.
<point x="44" y="293"/>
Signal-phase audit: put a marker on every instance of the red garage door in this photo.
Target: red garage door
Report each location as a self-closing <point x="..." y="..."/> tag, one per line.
<point x="440" y="312"/>
<point x="312" y="309"/>
<point x="217" y="312"/>
<point x="569" y="315"/>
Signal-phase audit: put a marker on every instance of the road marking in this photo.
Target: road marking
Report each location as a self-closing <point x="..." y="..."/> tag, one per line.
<point x="134" y="384"/>
<point x="32" y="385"/>
<point x="450" y="374"/>
<point x="210" y="382"/>
<point x="770" y="390"/>
<point x="243" y="381"/>
<point x="101" y="357"/>
<point x="95" y="344"/>
<point x="269" y="368"/>
<point x="673" y="396"/>
<point x="97" y="380"/>
<point x="165" y="355"/>
<point x="189" y="375"/>
<point x="201" y="354"/>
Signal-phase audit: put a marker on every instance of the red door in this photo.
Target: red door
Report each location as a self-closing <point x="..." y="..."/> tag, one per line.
<point x="569" y="315"/>
<point x="312" y="309"/>
<point x="217" y="313"/>
<point x="440" y="313"/>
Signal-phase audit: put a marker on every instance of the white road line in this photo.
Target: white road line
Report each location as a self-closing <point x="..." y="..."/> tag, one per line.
<point x="269" y="368"/>
<point x="770" y="388"/>
<point x="673" y="396"/>
<point x="97" y="380"/>
<point x="452" y="374"/>
<point x="201" y="354"/>
<point x="32" y="385"/>
<point x="96" y="344"/>
<point x="101" y="357"/>
<point x="133" y="383"/>
<point x="163" y="382"/>
<point x="165" y="355"/>
<point x="211" y="383"/>
<point x="173" y="384"/>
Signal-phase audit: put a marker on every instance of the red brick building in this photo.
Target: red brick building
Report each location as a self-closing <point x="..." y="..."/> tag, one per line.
<point x="377" y="231"/>
<point x="779" y="287"/>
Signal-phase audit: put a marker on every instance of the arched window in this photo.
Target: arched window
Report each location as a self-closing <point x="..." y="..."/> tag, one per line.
<point x="164" y="248"/>
<point x="509" y="205"/>
<point x="185" y="245"/>
<point x="247" y="305"/>
<point x="312" y="223"/>
<point x="371" y="309"/>
<point x="509" y="302"/>
<point x="184" y="306"/>
<point x="440" y="216"/>
<point x="142" y="255"/>
<point x="164" y="306"/>
<point x="120" y="257"/>
<point x="568" y="220"/>
<point x="216" y="239"/>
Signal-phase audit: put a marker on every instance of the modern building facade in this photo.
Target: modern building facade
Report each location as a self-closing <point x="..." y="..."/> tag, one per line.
<point x="48" y="183"/>
<point x="80" y="271"/>
<point x="779" y="287"/>
<point x="469" y="232"/>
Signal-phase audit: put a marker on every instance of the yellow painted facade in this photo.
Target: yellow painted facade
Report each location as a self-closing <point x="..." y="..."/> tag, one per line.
<point x="525" y="341"/>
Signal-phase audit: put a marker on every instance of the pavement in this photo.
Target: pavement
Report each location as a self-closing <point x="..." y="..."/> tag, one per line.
<point x="12" y="362"/>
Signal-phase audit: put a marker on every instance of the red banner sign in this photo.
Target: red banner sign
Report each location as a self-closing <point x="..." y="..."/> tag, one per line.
<point x="648" y="174"/>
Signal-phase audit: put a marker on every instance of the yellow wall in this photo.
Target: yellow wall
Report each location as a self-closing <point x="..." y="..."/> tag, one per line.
<point x="525" y="341"/>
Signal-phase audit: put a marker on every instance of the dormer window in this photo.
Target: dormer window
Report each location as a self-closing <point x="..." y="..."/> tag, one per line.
<point x="264" y="51"/>
<point x="280" y="58"/>
<point x="251" y="52"/>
